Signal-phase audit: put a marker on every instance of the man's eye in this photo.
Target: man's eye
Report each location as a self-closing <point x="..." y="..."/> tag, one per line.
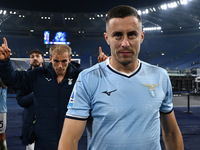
<point x="132" y="34"/>
<point x="56" y="61"/>
<point x="64" y="61"/>
<point x="117" y="34"/>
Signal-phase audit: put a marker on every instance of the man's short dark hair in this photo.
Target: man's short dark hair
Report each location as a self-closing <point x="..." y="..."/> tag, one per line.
<point x="37" y="51"/>
<point x="122" y="11"/>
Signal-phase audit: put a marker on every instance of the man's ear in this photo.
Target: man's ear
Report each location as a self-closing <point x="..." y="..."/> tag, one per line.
<point x="70" y="58"/>
<point x="106" y="37"/>
<point x="50" y="58"/>
<point x="142" y="37"/>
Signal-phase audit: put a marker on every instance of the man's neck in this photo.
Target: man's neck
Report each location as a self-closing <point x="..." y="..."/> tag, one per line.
<point x="60" y="78"/>
<point x="125" y="68"/>
<point x="32" y="67"/>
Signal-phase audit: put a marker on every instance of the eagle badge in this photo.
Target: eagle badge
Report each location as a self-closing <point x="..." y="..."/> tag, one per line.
<point x="152" y="91"/>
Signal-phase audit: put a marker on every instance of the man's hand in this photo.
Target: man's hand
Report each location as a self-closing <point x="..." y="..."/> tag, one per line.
<point x="4" y="50"/>
<point x="2" y="84"/>
<point x="102" y="57"/>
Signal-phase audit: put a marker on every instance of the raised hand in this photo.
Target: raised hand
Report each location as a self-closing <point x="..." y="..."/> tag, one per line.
<point x="4" y="50"/>
<point x="102" y="57"/>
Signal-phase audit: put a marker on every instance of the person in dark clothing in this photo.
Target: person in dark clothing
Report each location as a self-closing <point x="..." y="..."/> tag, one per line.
<point x="52" y="87"/>
<point x="25" y="100"/>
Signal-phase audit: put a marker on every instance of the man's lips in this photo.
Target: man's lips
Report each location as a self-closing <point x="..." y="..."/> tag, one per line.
<point x="35" y="61"/>
<point x="59" y="69"/>
<point x="125" y="52"/>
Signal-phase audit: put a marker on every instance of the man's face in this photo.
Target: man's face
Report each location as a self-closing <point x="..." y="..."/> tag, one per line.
<point x="124" y="35"/>
<point x="60" y="63"/>
<point x="36" y="60"/>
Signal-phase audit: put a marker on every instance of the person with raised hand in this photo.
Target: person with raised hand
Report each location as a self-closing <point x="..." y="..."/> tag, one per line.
<point x="52" y="87"/>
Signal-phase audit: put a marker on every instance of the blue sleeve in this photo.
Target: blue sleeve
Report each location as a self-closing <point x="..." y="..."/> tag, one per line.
<point x="14" y="79"/>
<point x="3" y="99"/>
<point x="79" y="103"/>
<point x="167" y="105"/>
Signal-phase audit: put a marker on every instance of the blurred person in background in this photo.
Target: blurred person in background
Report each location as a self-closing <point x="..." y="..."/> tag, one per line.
<point x="26" y="100"/>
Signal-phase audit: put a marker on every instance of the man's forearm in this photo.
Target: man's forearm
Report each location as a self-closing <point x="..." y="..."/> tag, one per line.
<point x="6" y="70"/>
<point x="67" y="145"/>
<point x="173" y="142"/>
<point x="14" y="79"/>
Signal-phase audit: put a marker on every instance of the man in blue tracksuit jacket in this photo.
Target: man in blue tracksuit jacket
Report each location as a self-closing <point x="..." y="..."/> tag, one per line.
<point x="52" y="87"/>
<point x="26" y="101"/>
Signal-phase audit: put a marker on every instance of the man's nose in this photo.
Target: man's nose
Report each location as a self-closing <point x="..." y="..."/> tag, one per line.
<point x="125" y="42"/>
<point x="59" y="64"/>
<point x="34" y="57"/>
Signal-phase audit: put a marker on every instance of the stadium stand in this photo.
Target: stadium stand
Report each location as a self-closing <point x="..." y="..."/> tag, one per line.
<point x="168" y="52"/>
